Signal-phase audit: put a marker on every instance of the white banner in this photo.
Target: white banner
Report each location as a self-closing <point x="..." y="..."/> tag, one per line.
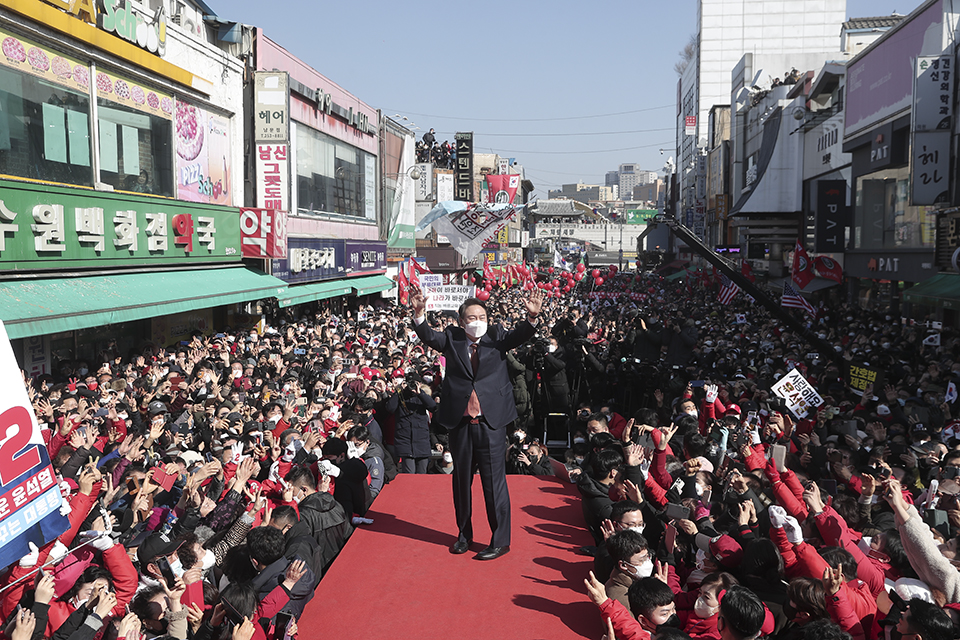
<point x="447" y="297"/>
<point x="800" y="396"/>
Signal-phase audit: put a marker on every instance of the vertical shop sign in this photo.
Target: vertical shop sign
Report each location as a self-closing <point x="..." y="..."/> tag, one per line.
<point x="263" y="233"/>
<point x="463" y="173"/>
<point x="833" y="216"/>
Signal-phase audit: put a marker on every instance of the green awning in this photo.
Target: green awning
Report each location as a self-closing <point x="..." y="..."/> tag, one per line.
<point x="38" y="307"/>
<point x="371" y="284"/>
<point x="681" y="273"/>
<point x="942" y="290"/>
<point x="304" y="293"/>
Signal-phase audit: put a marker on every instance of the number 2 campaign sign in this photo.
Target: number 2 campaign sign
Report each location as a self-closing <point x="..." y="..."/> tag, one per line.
<point x="29" y="493"/>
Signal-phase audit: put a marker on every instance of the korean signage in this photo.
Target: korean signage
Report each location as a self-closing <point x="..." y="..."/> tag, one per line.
<point x="447" y="297"/>
<point x="933" y="93"/>
<point x="463" y="173"/>
<point x="929" y="168"/>
<point x="36" y="356"/>
<point x="273" y="177"/>
<point x="263" y="233"/>
<point x="365" y="256"/>
<point x="800" y="396"/>
<point x="639" y="216"/>
<point x="271" y="97"/>
<point x="444" y="187"/>
<point x="203" y="155"/>
<point x="859" y="376"/>
<point x="60" y="228"/>
<point x="723" y="206"/>
<point x="424" y="186"/>
<point x="833" y="216"/>
<point x="948" y="241"/>
<point x="690" y="125"/>
<point x="29" y="492"/>
<point x="311" y="259"/>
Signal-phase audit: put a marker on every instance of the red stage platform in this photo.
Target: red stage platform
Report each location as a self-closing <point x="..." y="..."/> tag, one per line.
<point x="396" y="578"/>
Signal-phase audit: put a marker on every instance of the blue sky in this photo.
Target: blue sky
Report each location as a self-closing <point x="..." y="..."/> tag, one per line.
<point x="506" y="70"/>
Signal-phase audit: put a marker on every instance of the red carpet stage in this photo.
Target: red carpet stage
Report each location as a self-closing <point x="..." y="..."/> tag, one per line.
<point x="396" y="579"/>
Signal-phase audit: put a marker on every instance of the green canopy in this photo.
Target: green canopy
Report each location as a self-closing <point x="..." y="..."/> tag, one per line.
<point x="304" y="293"/>
<point x="31" y="307"/>
<point x="371" y="284"/>
<point x="942" y="290"/>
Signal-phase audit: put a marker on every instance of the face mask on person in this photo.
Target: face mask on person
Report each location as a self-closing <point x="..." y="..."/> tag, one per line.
<point x="83" y="371"/>
<point x="694" y="413"/>
<point x="638" y="528"/>
<point x="645" y="570"/>
<point x="552" y="348"/>
<point x="177" y="567"/>
<point x="428" y="379"/>
<point x="672" y="621"/>
<point x="579" y="440"/>
<point x="702" y="609"/>
<point x="476" y="329"/>
<point x="209" y="559"/>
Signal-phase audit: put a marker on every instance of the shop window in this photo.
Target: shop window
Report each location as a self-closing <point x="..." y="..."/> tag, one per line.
<point x="883" y="216"/>
<point x="44" y="129"/>
<point x="334" y="177"/>
<point x="135" y="136"/>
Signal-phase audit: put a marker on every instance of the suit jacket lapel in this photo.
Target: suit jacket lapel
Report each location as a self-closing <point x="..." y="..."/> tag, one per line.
<point x="460" y="347"/>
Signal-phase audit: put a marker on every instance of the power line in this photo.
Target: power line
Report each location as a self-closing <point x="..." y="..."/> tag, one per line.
<point x="599" y="115"/>
<point x="646" y="146"/>
<point x="593" y="133"/>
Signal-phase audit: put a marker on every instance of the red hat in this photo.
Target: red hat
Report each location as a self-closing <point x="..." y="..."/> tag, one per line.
<point x="732" y="410"/>
<point x="726" y="551"/>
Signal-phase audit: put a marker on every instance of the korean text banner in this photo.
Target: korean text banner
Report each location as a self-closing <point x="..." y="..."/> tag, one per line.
<point x="447" y="297"/>
<point x="58" y="228"/>
<point x="468" y="225"/>
<point x="365" y="256"/>
<point x="800" y="396"/>
<point x="29" y="494"/>
<point x="311" y="259"/>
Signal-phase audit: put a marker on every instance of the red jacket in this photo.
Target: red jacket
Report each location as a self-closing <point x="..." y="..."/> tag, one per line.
<point x="624" y="624"/>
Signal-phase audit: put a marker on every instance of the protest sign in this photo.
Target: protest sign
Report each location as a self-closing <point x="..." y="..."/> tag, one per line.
<point x="800" y="396"/>
<point x="430" y="280"/>
<point x="29" y="493"/>
<point x="447" y="297"/>
<point x="859" y="376"/>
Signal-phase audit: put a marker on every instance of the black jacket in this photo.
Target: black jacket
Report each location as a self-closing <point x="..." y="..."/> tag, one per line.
<point x="647" y="342"/>
<point x="412" y="435"/>
<point x="323" y="519"/>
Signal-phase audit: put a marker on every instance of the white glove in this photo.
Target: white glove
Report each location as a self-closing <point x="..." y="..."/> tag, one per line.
<point x="101" y="540"/>
<point x="30" y="560"/>
<point x="778" y="516"/>
<point x="711" y="390"/>
<point x="59" y="552"/>
<point x="792" y="528"/>
<point x="329" y="468"/>
<point x="65" y="508"/>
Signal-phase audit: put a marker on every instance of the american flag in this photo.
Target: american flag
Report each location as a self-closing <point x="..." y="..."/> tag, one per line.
<point x="792" y="299"/>
<point x="728" y="291"/>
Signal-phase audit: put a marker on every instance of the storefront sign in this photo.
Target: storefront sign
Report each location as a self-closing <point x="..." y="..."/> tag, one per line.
<point x="690" y="125"/>
<point x="59" y="228"/>
<point x="356" y="119"/>
<point x="930" y="168"/>
<point x="203" y="155"/>
<point x="444" y="187"/>
<point x="29" y="492"/>
<point x="905" y="266"/>
<point x="271" y="112"/>
<point x="823" y="148"/>
<point x="933" y="93"/>
<point x="28" y="57"/>
<point x="723" y="206"/>
<point x="311" y="259"/>
<point x="130" y="94"/>
<point x="365" y="256"/>
<point x="263" y="233"/>
<point x="833" y="216"/>
<point x="424" y="186"/>
<point x="86" y="10"/>
<point x="463" y="173"/>
<point x="798" y="394"/>
<point x="880" y="147"/>
<point x="36" y="356"/>
<point x="273" y="181"/>
<point x="133" y="25"/>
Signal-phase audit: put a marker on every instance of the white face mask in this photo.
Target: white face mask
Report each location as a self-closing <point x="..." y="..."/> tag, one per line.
<point x="645" y="570"/>
<point x="209" y="559"/>
<point x="177" y="567"/>
<point x="552" y="348"/>
<point x="637" y="528"/>
<point x="702" y="609"/>
<point x="476" y="329"/>
<point x="694" y="413"/>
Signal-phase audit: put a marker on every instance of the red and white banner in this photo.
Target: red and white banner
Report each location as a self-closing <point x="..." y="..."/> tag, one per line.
<point x="502" y="187"/>
<point x="263" y="233"/>
<point x="828" y="268"/>
<point x="802" y="270"/>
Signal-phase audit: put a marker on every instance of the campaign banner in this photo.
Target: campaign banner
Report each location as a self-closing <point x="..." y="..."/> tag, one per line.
<point x="431" y="280"/>
<point x="800" y="396"/>
<point x="263" y="233"/>
<point x="859" y="376"/>
<point x="447" y="297"/>
<point x="503" y="188"/>
<point x="29" y="493"/>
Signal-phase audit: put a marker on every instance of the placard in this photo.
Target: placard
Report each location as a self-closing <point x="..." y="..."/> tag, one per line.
<point x="29" y="492"/>
<point x="800" y="396"/>
<point x="447" y="297"/>
<point x="859" y="376"/>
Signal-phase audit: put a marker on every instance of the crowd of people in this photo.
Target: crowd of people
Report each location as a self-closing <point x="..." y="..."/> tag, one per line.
<point x="210" y="485"/>
<point x="442" y="154"/>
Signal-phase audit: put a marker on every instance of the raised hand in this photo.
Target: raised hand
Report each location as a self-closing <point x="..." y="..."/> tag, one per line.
<point x="595" y="589"/>
<point x="832" y="579"/>
<point x="296" y="570"/>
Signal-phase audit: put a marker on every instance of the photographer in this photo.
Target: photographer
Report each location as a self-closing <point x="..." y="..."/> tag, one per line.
<point x="409" y="404"/>
<point x="646" y="336"/>
<point x="527" y="459"/>
<point x="551" y="364"/>
<point x="680" y="336"/>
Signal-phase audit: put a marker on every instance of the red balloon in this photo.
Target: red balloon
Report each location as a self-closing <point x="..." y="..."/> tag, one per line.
<point x="581" y="268"/>
<point x="534" y="268"/>
<point x="595" y="273"/>
<point x="483" y="295"/>
<point x="578" y="277"/>
<point x="599" y="281"/>
<point x="550" y="270"/>
<point x="555" y="282"/>
<point x="566" y="289"/>
<point x="488" y="287"/>
<point x="613" y="268"/>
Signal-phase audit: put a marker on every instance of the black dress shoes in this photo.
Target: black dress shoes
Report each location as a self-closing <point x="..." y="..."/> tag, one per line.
<point x="460" y="546"/>
<point x="491" y="553"/>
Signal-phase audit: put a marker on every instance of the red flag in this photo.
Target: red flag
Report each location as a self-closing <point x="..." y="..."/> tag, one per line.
<point x="487" y="271"/>
<point x="404" y="286"/>
<point x="414" y="273"/>
<point x="502" y="187"/>
<point x="828" y="268"/>
<point x="802" y="271"/>
<point x="420" y="268"/>
<point x="747" y="270"/>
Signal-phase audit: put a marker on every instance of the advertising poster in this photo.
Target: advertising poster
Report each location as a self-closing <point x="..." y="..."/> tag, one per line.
<point x="203" y="155"/>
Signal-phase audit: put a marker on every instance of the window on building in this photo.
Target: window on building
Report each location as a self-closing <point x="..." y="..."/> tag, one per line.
<point x="883" y="216"/>
<point x="44" y="130"/>
<point x="334" y="177"/>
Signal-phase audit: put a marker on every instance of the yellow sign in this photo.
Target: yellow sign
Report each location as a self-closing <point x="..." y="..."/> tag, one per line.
<point x="86" y="10"/>
<point x="28" y="57"/>
<point x="128" y="93"/>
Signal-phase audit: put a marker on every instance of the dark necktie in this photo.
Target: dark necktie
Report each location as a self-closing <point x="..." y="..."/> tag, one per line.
<point x="473" y="405"/>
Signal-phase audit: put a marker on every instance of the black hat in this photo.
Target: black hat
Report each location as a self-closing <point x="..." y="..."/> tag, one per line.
<point x="156" y="545"/>
<point x="156" y="407"/>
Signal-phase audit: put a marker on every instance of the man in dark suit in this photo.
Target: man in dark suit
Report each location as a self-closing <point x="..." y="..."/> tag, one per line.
<point x="476" y="407"/>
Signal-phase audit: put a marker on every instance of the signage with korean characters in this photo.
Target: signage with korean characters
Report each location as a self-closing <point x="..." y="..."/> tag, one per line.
<point x="271" y="109"/>
<point x="798" y="394"/>
<point x="690" y="125"/>
<point x="859" y="376"/>
<point x="930" y="168"/>
<point x="310" y="260"/>
<point x="365" y="256"/>
<point x="273" y="177"/>
<point x="447" y="297"/>
<point x="933" y="93"/>
<point x="263" y="233"/>
<point x="463" y="172"/>
<point x="59" y="228"/>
